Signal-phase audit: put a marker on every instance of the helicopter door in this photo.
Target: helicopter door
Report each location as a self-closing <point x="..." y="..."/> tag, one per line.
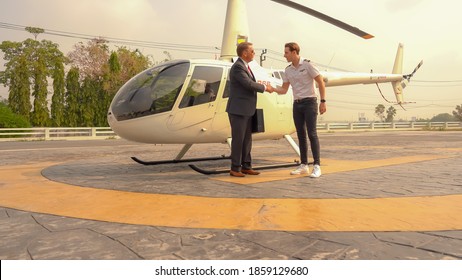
<point x="197" y="106"/>
<point x="221" y="120"/>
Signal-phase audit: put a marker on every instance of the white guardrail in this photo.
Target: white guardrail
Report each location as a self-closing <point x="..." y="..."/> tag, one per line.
<point x="85" y="133"/>
<point x="56" y="133"/>
<point x="365" y="126"/>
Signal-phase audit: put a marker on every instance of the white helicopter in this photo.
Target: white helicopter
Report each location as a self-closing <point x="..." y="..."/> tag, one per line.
<point x="184" y="101"/>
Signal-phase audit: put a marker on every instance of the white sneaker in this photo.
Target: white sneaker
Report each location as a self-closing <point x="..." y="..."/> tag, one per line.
<point x="316" y="171"/>
<point x="301" y="169"/>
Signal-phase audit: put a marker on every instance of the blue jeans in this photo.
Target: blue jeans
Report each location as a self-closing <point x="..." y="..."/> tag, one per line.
<point x="305" y="114"/>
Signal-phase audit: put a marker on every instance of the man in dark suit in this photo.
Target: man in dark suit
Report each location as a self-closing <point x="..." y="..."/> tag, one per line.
<point x="241" y="107"/>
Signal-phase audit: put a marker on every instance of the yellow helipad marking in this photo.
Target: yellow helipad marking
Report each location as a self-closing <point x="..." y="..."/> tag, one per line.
<point x="362" y="148"/>
<point x="450" y="149"/>
<point x="328" y="166"/>
<point x="23" y="188"/>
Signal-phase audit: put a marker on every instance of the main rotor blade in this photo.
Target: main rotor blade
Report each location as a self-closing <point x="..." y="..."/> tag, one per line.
<point x="326" y="18"/>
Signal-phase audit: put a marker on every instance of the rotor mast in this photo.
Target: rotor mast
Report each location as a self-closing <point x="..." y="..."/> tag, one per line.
<point x="236" y="29"/>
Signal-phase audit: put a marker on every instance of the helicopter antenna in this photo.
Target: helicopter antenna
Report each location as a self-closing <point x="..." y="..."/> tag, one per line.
<point x="332" y="58"/>
<point x="325" y="18"/>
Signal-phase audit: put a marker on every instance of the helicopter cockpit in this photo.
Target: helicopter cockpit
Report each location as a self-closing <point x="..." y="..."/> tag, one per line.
<point x="150" y="92"/>
<point x="157" y="89"/>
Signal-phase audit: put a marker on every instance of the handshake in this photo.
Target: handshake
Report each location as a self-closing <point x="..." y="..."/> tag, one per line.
<point x="269" y="88"/>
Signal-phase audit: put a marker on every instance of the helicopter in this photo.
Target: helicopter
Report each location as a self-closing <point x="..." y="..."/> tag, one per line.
<point x="184" y="101"/>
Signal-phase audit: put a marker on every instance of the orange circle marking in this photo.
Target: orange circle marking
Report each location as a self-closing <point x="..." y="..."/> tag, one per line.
<point x="23" y="188"/>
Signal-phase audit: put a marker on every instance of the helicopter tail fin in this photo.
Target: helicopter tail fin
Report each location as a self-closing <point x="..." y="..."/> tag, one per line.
<point x="399" y="86"/>
<point x="398" y="69"/>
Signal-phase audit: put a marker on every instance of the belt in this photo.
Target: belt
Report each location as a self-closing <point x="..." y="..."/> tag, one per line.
<point x="304" y="99"/>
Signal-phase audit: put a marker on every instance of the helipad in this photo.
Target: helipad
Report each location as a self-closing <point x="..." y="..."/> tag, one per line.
<point x="387" y="195"/>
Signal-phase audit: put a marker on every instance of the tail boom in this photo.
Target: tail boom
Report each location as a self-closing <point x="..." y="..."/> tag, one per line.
<point x="396" y="78"/>
<point x="343" y="79"/>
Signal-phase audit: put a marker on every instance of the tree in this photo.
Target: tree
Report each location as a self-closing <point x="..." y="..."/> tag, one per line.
<point x="443" y="117"/>
<point x="458" y="112"/>
<point x="123" y="64"/>
<point x="131" y="63"/>
<point x="72" y="98"/>
<point x="112" y="77"/>
<point x="35" y="31"/>
<point x="16" y="77"/>
<point x="8" y="119"/>
<point x="111" y="84"/>
<point x="89" y="96"/>
<point x="57" y="101"/>
<point x="90" y="59"/>
<point x="83" y="96"/>
<point x="380" y="112"/>
<point x="29" y="65"/>
<point x="40" y="115"/>
<point x="391" y="112"/>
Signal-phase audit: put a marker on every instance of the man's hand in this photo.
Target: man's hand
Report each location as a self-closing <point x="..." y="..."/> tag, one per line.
<point x="322" y="108"/>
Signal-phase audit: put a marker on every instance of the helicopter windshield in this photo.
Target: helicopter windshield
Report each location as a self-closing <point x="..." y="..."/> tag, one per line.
<point x="150" y="92"/>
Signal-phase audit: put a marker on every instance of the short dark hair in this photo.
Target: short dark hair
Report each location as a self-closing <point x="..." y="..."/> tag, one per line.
<point x="242" y="47"/>
<point x="293" y="47"/>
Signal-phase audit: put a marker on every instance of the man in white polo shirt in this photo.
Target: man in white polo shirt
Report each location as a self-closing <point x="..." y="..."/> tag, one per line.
<point x="302" y="75"/>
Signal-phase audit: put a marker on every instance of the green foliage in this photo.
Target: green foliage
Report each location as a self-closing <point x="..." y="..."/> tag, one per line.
<point x="72" y="98"/>
<point x="35" y="30"/>
<point x="29" y="65"/>
<point x="17" y="77"/>
<point x="57" y="100"/>
<point x="380" y="111"/>
<point x="114" y="64"/>
<point x="458" y="112"/>
<point x="19" y="89"/>
<point x="391" y="112"/>
<point x="40" y="115"/>
<point x="8" y="119"/>
<point x="444" y="117"/>
<point x="90" y="58"/>
<point x="80" y="98"/>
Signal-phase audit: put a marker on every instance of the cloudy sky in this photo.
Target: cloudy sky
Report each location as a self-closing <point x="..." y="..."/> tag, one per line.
<point x="427" y="28"/>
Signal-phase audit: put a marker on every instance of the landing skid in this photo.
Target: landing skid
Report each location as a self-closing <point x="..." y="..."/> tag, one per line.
<point x="186" y="147"/>
<point x="177" y="160"/>
<point x="222" y="171"/>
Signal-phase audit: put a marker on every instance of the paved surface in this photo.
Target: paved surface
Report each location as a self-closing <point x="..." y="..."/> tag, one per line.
<point x="362" y="169"/>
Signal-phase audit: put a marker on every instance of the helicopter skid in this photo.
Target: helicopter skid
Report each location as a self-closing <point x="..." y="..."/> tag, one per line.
<point x="222" y="171"/>
<point x="178" y="160"/>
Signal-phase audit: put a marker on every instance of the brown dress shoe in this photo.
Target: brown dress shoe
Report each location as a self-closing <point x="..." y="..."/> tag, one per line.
<point x="250" y="172"/>
<point x="236" y="173"/>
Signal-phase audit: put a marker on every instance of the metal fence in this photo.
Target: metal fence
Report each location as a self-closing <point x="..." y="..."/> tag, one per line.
<point x="366" y="126"/>
<point x="80" y="133"/>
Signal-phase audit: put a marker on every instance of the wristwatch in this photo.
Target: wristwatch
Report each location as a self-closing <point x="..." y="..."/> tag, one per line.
<point x="323" y="101"/>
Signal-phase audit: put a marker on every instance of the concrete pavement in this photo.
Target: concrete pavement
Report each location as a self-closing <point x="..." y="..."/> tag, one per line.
<point x="383" y="195"/>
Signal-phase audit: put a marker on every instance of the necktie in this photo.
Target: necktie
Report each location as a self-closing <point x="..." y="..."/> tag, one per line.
<point x="250" y="71"/>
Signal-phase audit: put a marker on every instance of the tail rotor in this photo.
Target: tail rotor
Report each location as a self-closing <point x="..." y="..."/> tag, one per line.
<point x="399" y="86"/>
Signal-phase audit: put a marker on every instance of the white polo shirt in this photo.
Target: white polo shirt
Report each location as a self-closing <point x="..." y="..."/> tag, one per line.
<point x="301" y="78"/>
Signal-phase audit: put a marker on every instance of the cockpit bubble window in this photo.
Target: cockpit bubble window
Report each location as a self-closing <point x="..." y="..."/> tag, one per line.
<point x="203" y="86"/>
<point x="150" y="92"/>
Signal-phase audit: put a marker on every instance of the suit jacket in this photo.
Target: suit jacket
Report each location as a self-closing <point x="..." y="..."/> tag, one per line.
<point x="243" y="90"/>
